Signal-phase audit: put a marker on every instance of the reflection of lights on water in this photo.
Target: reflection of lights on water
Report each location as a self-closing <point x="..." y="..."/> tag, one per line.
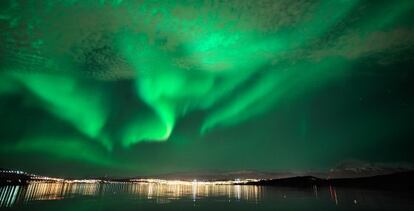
<point x="150" y="190"/>
<point x="195" y="191"/>
<point x="194" y="188"/>
<point x="160" y="191"/>
<point x="8" y="195"/>
<point x="315" y="190"/>
<point x="53" y="191"/>
<point x="237" y="191"/>
<point x="333" y="194"/>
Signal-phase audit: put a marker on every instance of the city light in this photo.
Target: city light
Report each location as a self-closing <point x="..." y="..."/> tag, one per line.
<point x="195" y="182"/>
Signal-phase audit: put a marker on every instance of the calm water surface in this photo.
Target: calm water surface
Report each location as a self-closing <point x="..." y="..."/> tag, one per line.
<point x="144" y="196"/>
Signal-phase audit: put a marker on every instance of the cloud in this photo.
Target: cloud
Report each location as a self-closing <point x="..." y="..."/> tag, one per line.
<point x="358" y="168"/>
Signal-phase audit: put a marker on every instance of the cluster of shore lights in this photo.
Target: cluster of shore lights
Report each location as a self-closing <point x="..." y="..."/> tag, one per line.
<point x="194" y="182"/>
<point x="49" y="179"/>
<point x="151" y="181"/>
<point x="52" y="179"/>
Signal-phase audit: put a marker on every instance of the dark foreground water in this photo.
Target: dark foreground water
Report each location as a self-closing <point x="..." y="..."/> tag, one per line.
<point x="143" y="196"/>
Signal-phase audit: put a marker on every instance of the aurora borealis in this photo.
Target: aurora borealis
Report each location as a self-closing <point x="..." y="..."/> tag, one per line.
<point x="146" y="87"/>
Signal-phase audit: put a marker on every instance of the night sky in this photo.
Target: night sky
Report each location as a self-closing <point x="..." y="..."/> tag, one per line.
<point x="123" y="88"/>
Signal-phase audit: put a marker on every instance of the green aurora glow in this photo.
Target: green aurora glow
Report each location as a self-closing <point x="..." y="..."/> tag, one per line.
<point x="161" y="86"/>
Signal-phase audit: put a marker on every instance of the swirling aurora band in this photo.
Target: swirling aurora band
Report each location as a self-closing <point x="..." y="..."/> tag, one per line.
<point x="100" y="77"/>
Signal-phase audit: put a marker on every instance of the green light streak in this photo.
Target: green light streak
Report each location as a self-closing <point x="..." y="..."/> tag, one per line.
<point x="64" y="148"/>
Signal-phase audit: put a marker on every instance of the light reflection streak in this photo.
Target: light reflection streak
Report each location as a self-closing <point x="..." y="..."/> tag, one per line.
<point x="8" y="195"/>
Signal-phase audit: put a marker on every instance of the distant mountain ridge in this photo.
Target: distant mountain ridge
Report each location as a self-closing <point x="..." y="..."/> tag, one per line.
<point x="395" y="181"/>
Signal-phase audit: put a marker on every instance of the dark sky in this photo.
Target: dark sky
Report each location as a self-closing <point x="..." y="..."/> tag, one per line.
<point x="150" y="87"/>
